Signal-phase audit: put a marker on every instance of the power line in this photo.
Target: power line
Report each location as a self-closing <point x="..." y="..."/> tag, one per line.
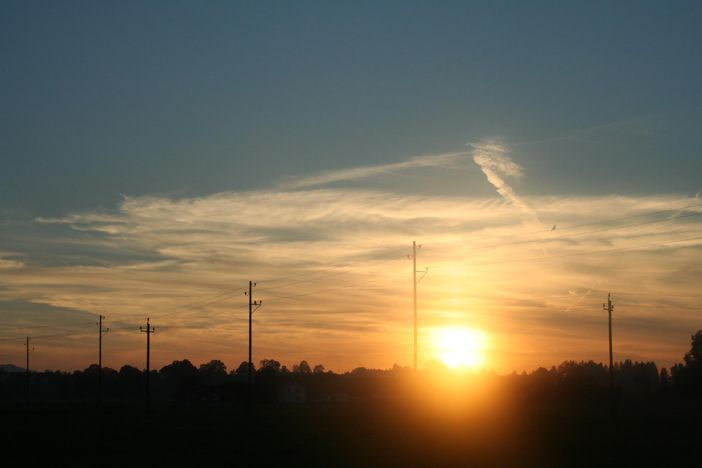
<point x="608" y="220"/>
<point x="57" y="335"/>
<point x="333" y="288"/>
<point x="576" y="234"/>
<point x="202" y="302"/>
<point x="572" y="254"/>
<point x="50" y="327"/>
<point x="316" y="276"/>
<point x="336" y="272"/>
<point x="331" y="268"/>
<point x="692" y="296"/>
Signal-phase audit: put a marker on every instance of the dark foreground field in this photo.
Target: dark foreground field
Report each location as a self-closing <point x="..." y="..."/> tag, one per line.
<point x="658" y="433"/>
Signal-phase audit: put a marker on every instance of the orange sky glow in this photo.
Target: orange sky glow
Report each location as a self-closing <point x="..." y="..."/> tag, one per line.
<point x="528" y="274"/>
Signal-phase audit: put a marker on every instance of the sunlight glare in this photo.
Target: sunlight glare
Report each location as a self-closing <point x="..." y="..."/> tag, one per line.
<point x="459" y="347"/>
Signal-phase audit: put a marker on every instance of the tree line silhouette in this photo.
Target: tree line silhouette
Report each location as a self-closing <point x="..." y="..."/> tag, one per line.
<point x="211" y="381"/>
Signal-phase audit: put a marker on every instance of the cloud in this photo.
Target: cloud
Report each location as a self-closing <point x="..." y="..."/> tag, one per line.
<point x="491" y="157"/>
<point x="362" y="172"/>
<point x="331" y="266"/>
<point x="6" y="264"/>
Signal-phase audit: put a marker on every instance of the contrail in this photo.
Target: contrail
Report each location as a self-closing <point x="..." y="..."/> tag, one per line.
<point x="490" y="156"/>
<point x="326" y="177"/>
<point x="578" y="301"/>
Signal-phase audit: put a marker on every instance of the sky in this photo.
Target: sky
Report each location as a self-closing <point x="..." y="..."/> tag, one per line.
<point x="156" y="156"/>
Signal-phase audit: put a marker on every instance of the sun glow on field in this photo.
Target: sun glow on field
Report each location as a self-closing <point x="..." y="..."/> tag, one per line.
<point x="459" y="347"/>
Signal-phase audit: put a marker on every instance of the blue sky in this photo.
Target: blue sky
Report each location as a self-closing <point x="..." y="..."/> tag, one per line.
<point x="170" y="97"/>
<point x="119" y="117"/>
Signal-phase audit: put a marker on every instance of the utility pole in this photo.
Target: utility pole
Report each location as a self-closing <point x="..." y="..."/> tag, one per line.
<point x="415" y="281"/>
<point x="101" y="333"/>
<point x="253" y="306"/>
<point x="609" y="307"/>
<point x="414" y="284"/>
<point x="149" y="330"/>
<point x="27" y="341"/>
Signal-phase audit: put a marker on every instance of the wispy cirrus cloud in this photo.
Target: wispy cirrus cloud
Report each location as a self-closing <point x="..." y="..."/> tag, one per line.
<point x="8" y="263"/>
<point x="492" y="158"/>
<point x="330" y="261"/>
<point x="331" y="268"/>
<point x="361" y="172"/>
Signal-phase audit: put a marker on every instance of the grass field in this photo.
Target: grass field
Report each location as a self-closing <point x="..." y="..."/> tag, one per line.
<point x="354" y="434"/>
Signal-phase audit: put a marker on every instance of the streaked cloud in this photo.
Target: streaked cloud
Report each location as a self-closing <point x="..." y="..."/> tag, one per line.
<point x="6" y="263"/>
<point x="362" y="172"/>
<point x="491" y="157"/>
<point x="332" y="271"/>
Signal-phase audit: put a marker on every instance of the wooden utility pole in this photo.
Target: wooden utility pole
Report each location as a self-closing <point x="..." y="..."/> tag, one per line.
<point x="101" y="333"/>
<point x="609" y="307"/>
<point x="414" y="284"/>
<point x="250" y="371"/>
<point x="253" y="306"/>
<point x="414" y="295"/>
<point x="27" y="341"/>
<point x="149" y="330"/>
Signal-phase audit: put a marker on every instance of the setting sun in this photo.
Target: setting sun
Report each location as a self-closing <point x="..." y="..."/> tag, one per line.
<point x="459" y="347"/>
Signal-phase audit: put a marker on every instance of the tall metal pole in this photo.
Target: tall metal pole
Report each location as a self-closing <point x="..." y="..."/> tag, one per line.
<point x="149" y="330"/>
<point x="414" y="284"/>
<point x="250" y="376"/>
<point x="609" y="307"/>
<point x="253" y="307"/>
<point x="101" y="332"/>
<point x="148" y="363"/>
<point x="27" y="367"/>
<point x="99" y="392"/>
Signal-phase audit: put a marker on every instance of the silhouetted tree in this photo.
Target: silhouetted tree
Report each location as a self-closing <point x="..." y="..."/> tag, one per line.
<point x="359" y="371"/>
<point x="213" y="372"/>
<point x="318" y="369"/>
<point x="687" y="379"/>
<point x="243" y="368"/>
<point x="664" y="381"/>
<point x="302" y="368"/>
<point x="130" y="381"/>
<point x="436" y="366"/>
<point x="181" y="377"/>
<point x="541" y="383"/>
<point x="694" y="357"/>
<point x="269" y="367"/>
